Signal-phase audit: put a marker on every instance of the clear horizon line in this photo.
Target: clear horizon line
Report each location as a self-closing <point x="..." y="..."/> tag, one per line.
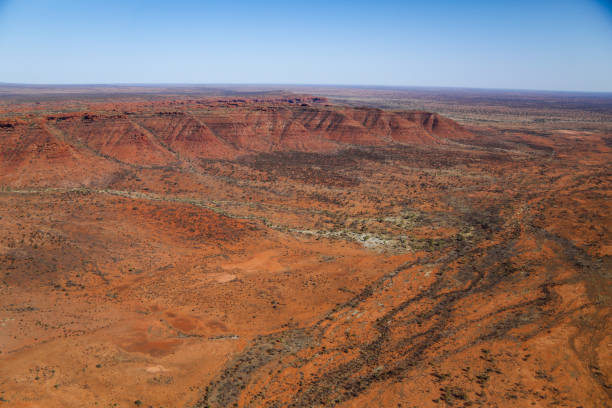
<point x="272" y="84"/>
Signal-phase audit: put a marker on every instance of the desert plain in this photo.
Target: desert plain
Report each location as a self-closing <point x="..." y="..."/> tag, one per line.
<point x="304" y="247"/>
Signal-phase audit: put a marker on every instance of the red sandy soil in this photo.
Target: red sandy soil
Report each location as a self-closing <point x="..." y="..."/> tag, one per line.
<point x="281" y="251"/>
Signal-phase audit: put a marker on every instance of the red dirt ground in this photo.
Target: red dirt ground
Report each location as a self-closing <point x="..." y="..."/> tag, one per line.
<point x="281" y="251"/>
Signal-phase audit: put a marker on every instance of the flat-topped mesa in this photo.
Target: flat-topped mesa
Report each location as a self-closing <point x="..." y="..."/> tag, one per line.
<point x="164" y="132"/>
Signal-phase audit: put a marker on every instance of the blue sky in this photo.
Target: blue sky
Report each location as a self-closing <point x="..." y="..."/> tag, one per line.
<point x="554" y="45"/>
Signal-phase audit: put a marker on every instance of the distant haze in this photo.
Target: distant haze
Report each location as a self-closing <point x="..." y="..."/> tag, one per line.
<point x="551" y="45"/>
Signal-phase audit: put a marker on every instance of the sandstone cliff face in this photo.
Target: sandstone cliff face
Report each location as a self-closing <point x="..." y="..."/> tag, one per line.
<point x="36" y="154"/>
<point x="117" y="137"/>
<point x="58" y="146"/>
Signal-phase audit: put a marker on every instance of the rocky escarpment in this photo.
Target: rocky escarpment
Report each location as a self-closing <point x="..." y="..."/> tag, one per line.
<point x="170" y="133"/>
